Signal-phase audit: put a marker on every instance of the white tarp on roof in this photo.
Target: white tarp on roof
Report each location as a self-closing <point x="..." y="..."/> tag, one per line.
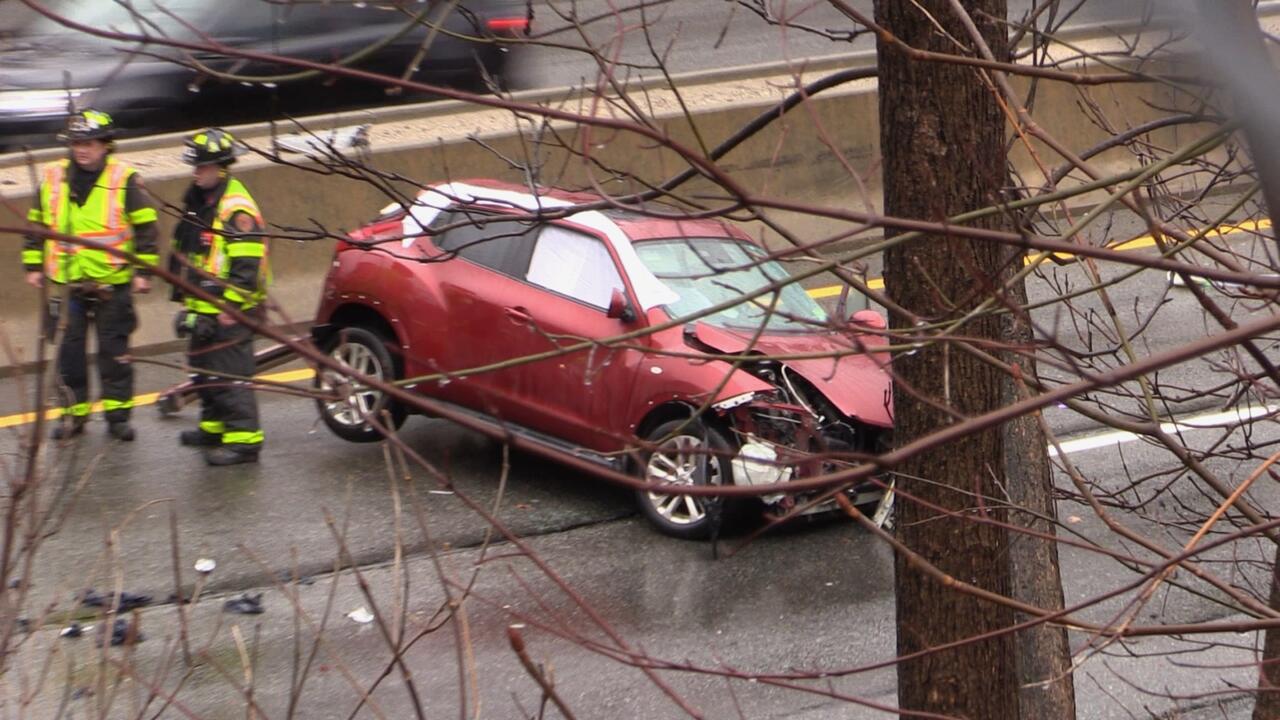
<point x="650" y="291"/>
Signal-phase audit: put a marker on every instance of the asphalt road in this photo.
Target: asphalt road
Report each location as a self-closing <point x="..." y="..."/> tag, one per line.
<point x="689" y="35"/>
<point x="816" y="598"/>
<point x="705" y="34"/>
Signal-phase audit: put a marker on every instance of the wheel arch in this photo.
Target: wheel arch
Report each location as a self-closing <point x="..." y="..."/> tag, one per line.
<point x="355" y="314"/>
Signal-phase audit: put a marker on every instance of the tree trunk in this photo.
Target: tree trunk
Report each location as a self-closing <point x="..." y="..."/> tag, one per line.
<point x="1047" y="688"/>
<point x="1267" y="706"/>
<point x="942" y="138"/>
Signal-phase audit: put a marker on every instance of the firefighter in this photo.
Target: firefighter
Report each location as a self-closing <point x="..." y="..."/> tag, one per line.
<point x="220" y="247"/>
<point x="95" y="196"/>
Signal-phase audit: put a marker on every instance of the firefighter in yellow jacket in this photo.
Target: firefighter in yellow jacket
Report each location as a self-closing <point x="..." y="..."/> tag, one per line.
<point x="221" y="249"/>
<point x="95" y="196"/>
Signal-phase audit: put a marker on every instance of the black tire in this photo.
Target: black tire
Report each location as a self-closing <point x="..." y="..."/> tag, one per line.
<point x="366" y="351"/>
<point x="698" y="454"/>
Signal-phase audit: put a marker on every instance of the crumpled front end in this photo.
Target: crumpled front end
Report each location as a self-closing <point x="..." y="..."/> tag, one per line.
<point x="793" y="433"/>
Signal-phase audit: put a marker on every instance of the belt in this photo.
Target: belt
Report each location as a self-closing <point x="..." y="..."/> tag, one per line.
<point x="91" y="289"/>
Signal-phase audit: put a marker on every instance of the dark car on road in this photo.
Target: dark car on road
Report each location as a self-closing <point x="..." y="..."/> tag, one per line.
<point x="720" y="380"/>
<point x="48" y="67"/>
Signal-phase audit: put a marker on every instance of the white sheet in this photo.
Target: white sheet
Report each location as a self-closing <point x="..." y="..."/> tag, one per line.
<point x="650" y="291"/>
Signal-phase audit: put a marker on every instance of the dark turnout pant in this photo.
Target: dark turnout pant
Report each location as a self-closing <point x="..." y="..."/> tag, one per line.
<point x="227" y="405"/>
<point x="109" y="308"/>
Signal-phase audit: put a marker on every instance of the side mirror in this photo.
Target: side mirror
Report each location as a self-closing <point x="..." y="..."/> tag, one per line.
<point x="619" y="308"/>
<point x="870" y="319"/>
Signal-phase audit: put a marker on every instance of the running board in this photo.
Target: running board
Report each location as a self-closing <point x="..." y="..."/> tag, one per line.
<point x="540" y="438"/>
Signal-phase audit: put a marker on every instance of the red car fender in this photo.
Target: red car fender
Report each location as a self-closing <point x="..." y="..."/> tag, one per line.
<point x="686" y="378"/>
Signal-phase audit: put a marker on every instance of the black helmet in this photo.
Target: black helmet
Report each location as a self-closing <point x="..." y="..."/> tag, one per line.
<point x="213" y="145"/>
<point x="88" y="124"/>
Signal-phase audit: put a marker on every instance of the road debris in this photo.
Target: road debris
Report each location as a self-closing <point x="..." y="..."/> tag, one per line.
<point x="361" y="615"/>
<point x="245" y="604"/>
<point x="124" y="632"/>
<point x="128" y="600"/>
<point x="74" y="630"/>
<point x="205" y="565"/>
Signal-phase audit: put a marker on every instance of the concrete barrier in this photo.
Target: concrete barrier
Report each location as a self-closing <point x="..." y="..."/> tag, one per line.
<point x="825" y="152"/>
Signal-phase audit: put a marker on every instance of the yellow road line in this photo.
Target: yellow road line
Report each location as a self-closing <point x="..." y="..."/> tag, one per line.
<point x="148" y="398"/>
<point x="1142" y="241"/>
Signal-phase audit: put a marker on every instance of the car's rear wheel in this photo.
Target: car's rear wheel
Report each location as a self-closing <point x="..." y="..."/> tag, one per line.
<point x="685" y="452"/>
<point x="363" y="351"/>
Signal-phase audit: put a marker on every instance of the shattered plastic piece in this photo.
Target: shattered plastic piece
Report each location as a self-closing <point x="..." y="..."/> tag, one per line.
<point x="205" y="565"/>
<point x="128" y="600"/>
<point x="72" y="631"/>
<point x="361" y="615"/>
<point x="245" y="604"/>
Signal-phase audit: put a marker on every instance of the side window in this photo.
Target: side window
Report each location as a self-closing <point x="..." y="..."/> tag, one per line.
<point x="488" y="240"/>
<point x="574" y="265"/>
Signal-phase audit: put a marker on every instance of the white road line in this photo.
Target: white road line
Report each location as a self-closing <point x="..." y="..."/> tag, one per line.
<point x="1196" y="422"/>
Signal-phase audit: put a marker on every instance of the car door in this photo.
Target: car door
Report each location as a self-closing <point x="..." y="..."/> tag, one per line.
<point x="578" y="396"/>
<point x="475" y="266"/>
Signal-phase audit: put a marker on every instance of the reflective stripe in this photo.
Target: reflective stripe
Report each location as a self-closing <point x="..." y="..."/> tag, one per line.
<point x="32" y="257"/>
<point x="235" y="200"/>
<point x="245" y="248"/>
<point x="202" y="307"/>
<point x="152" y="260"/>
<point x="142" y="216"/>
<point x="77" y="410"/>
<point x="34" y="215"/>
<point x="108" y="405"/>
<point x="242" y="437"/>
<point x="222" y="250"/>
<point x="213" y="427"/>
<point x="101" y="219"/>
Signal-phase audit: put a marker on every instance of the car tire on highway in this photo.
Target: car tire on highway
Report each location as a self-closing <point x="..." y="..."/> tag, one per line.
<point x="693" y="453"/>
<point x="366" y="352"/>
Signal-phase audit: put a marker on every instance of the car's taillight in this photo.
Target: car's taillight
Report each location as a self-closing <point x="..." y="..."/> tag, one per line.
<point x="508" y="25"/>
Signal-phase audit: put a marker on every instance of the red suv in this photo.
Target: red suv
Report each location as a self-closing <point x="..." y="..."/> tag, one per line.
<point x="711" y="386"/>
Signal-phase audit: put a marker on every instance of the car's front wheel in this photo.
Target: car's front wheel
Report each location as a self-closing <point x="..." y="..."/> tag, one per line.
<point x="346" y="404"/>
<point x="685" y="452"/>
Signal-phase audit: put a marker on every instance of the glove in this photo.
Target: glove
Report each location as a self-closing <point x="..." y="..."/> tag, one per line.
<point x="206" y="328"/>
<point x="184" y="323"/>
<point x="197" y="326"/>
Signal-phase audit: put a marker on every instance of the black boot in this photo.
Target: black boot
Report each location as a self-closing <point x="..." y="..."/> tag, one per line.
<point x="230" y="455"/>
<point x="199" y="438"/>
<point x="121" y="430"/>
<point x="69" y="428"/>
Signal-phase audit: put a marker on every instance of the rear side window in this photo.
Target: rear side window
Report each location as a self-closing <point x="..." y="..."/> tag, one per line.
<point x="502" y="245"/>
<point x="575" y="265"/>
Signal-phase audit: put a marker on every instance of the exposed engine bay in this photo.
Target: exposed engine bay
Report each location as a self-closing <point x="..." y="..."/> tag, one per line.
<point x="795" y="432"/>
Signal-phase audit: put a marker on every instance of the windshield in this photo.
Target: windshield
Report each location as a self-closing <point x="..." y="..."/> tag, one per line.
<point x="706" y="272"/>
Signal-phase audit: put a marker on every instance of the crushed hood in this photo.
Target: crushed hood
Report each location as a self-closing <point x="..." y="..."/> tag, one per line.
<point x="858" y="385"/>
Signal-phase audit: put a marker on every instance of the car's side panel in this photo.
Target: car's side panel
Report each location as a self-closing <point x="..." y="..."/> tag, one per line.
<point x="581" y="396"/>
<point x="479" y="325"/>
<point x="682" y="376"/>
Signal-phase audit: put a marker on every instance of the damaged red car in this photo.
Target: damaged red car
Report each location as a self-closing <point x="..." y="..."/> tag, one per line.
<point x="715" y="383"/>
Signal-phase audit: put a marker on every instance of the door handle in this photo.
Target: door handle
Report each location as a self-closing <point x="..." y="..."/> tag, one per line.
<point x="518" y="315"/>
